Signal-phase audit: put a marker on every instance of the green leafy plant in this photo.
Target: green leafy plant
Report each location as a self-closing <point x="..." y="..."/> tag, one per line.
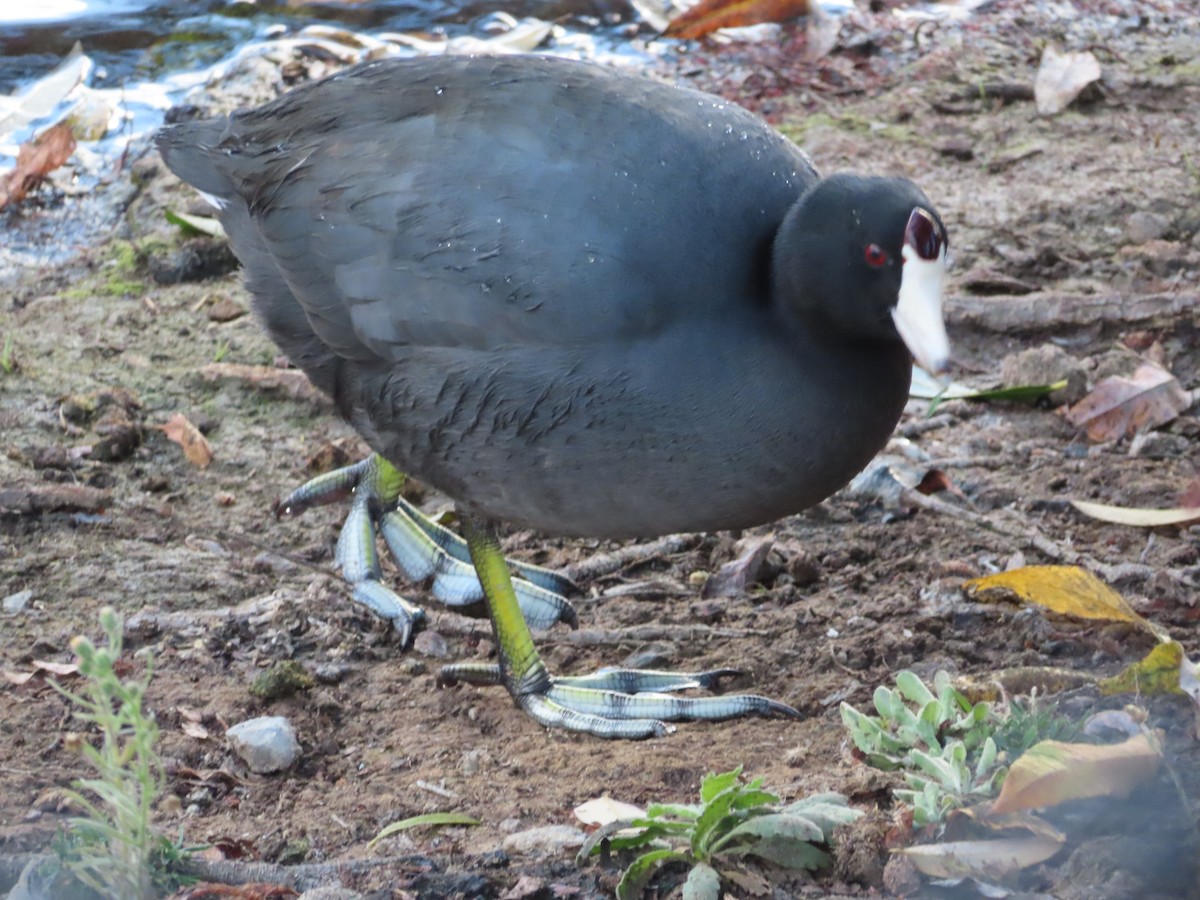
<point x="113" y="848"/>
<point x="945" y="781"/>
<point x="1030" y="722"/>
<point x="940" y="740"/>
<point x="912" y="716"/>
<point x="734" y="819"/>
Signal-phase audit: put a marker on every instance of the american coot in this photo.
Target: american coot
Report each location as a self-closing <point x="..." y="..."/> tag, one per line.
<point x="575" y="300"/>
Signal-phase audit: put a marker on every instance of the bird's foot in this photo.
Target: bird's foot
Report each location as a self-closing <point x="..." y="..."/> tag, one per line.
<point x="612" y="703"/>
<point x="619" y="703"/>
<point x="421" y="548"/>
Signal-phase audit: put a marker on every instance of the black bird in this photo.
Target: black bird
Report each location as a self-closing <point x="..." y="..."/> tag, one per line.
<point x="576" y="300"/>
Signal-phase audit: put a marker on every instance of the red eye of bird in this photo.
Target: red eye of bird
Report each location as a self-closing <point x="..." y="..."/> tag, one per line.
<point x="874" y="255"/>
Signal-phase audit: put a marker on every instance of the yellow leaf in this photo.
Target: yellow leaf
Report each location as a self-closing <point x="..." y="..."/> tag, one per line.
<point x="1053" y="772"/>
<point x="195" y="446"/>
<point x="1158" y="673"/>
<point x="1066" y="590"/>
<point x="1143" y="518"/>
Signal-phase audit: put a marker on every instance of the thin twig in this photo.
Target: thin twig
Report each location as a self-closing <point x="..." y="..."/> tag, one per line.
<point x="607" y="563"/>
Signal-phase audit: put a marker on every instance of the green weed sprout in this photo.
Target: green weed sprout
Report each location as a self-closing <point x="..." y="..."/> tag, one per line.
<point x="940" y="741"/>
<point x="733" y="819"/>
<point x="112" y="848"/>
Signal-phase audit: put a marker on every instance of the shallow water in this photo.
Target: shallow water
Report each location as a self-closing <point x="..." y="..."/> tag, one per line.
<point x="137" y="59"/>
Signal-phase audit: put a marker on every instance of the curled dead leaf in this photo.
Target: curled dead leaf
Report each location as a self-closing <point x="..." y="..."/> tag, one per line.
<point x="1053" y="772"/>
<point x="1120" y="407"/>
<point x="195" y="446"/>
<point x="35" y="160"/>
<point x="985" y="860"/>
<point x="708" y="16"/>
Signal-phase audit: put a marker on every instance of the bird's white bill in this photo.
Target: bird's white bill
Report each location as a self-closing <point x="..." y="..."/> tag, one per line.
<point x="918" y="312"/>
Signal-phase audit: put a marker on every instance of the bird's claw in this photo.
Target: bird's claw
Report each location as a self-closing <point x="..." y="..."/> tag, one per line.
<point x="621" y="703"/>
<point x="422" y="549"/>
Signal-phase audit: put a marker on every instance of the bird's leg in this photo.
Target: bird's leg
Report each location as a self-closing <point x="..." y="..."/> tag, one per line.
<point x="421" y="548"/>
<point x="613" y="703"/>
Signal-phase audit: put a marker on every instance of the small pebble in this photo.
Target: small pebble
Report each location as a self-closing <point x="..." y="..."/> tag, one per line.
<point x="472" y="761"/>
<point x="430" y="643"/>
<point x="331" y="673"/>
<point x="266" y="744"/>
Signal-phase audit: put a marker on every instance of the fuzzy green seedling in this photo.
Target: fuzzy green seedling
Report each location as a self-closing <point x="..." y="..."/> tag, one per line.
<point x="939" y="739"/>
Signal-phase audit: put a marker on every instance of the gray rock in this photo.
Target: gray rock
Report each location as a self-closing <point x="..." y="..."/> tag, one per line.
<point x="267" y="744"/>
<point x="1159" y="445"/>
<point x="1045" y="365"/>
<point x="1144" y="226"/>
<point x="15" y="603"/>
<point x="430" y="643"/>
<point x="545" y="839"/>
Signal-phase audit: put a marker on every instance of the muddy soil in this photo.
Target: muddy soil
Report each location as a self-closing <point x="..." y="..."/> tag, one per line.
<point x="853" y="590"/>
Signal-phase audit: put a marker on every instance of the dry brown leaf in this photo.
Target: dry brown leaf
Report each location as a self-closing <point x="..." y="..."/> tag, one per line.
<point x="985" y="860"/>
<point x="195" y="446"/>
<point x="1142" y="518"/>
<point x="709" y="15"/>
<point x="1119" y="406"/>
<point x="1053" y="772"/>
<point x="1066" y="590"/>
<point x="17" y="678"/>
<point x="35" y="160"/>
<point x="1061" y="77"/>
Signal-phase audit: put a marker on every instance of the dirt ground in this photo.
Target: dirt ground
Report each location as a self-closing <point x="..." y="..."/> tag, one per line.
<point x="1039" y="212"/>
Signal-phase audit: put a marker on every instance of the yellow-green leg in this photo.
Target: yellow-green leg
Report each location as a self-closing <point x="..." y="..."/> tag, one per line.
<point x="584" y="704"/>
